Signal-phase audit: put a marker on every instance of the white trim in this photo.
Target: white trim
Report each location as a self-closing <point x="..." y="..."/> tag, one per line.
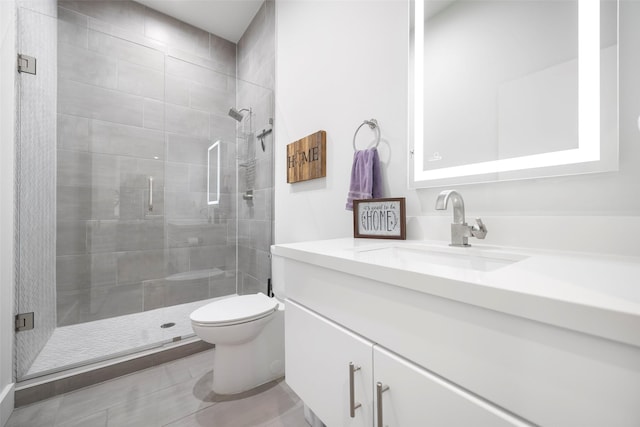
<point x="6" y="403"/>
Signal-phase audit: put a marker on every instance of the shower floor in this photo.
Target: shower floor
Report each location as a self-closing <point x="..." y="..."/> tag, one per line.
<point x="76" y="345"/>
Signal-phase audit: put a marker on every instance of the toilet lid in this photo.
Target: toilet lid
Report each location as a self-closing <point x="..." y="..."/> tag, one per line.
<point x="237" y="309"/>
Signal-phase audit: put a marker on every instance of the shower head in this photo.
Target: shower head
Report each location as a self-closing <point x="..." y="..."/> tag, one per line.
<point x="237" y="115"/>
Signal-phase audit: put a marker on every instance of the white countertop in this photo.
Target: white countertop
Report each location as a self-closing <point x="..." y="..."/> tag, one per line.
<point x="594" y="294"/>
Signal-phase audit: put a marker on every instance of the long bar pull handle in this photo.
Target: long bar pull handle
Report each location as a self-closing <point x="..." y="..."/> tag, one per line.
<point x="352" y="393"/>
<point x="379" y="390"/>
<point x="150" y="194"/>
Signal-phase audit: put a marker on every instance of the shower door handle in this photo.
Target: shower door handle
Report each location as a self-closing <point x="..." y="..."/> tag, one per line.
<point x="150" y="194"/>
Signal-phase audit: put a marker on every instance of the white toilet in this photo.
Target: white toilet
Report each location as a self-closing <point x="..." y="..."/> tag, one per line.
<point x="248" y="332"/>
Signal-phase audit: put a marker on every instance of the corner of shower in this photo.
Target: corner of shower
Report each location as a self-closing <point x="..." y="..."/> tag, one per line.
<point x="147" y="215"/>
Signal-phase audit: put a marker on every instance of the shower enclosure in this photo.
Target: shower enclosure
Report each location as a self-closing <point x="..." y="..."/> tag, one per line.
<point x="149" y="199"/>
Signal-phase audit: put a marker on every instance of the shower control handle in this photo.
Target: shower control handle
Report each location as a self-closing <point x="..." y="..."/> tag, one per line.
<point x="352" y="393"/>
<point x="150" y="194"/>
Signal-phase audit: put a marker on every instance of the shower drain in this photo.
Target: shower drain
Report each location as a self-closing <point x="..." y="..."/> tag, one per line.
<point x="167" y="325"/>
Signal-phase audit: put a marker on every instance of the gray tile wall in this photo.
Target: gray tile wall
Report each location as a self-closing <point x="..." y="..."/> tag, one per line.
<point x="256" y="73"/>
<point x="140" y="94"/>
<point x="256" y="48"/>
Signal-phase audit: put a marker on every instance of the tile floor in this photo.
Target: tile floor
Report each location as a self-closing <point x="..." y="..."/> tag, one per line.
<point x="176" y="394"/>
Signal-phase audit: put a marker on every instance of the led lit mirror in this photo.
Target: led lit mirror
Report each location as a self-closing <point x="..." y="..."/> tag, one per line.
<point x="213" y="174"/>
<point x="512" y="89"/>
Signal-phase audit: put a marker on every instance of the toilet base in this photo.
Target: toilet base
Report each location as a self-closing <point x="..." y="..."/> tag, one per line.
<point x="238" y="368"/>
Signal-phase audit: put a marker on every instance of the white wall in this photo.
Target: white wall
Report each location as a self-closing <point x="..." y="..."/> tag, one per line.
<point x="7" y="117"/>
<point x="339" y="63"/>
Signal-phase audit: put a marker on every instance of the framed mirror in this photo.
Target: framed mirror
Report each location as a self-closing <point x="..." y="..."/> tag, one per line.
<point x="512" y="89"/>
<point x="213" y="174"/>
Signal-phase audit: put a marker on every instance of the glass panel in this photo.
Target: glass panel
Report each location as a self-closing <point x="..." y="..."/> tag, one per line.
<point x="109" y="195"/>
<point x="255" y="184"/>
<point x="110" y="229"/>
<point x="201" y="244"/>
<point x="35" y="186"/>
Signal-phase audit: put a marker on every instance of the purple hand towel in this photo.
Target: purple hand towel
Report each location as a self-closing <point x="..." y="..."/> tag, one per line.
<point x="366" y="179"/>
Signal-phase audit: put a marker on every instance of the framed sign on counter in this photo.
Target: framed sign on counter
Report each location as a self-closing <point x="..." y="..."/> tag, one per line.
<point x="380" y="218"/>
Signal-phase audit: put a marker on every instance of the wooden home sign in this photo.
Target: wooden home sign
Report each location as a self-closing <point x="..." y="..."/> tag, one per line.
<point x="306" y="158"/>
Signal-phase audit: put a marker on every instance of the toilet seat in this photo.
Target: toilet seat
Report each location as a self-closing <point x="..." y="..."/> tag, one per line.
<point x="235" y="310"/>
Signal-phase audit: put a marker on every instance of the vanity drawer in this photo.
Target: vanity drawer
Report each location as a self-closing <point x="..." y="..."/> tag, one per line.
<point x="408" y="395"/>
<point x="542" y="373"/>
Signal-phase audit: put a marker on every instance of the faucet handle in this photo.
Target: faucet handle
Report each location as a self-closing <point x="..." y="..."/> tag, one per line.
<point x="479" y="231"/>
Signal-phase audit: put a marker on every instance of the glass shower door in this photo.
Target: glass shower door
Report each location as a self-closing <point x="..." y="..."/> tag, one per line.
<point x="109" y="174"/>
<point x="110" y="185"/>
<point x="255" y="187"/>
<point x="200" y="190"/>
<point x="138" y="191"/>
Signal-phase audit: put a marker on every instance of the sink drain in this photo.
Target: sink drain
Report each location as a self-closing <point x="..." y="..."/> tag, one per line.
<point x="167" y="325"/>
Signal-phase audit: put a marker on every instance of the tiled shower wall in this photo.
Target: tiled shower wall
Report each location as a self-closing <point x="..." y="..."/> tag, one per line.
<point x="256" y="64"/>
<point x="141" y="95"/>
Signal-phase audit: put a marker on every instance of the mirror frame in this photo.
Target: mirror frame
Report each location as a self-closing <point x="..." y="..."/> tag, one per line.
<point x="597" y="148"/>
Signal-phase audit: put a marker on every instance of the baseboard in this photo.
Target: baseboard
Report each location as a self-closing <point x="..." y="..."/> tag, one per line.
<point x="6" y="403"/>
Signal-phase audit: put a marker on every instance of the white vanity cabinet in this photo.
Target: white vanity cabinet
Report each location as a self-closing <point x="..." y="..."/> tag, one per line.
<point x="549" y="340"/>
<point x="390" y="390"/>
<point x="318" y="355"/>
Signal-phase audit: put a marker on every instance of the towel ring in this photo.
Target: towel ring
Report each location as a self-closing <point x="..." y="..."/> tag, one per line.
<point x="373" y="124"/>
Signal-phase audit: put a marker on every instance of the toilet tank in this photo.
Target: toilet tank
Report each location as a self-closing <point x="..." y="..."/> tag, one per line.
<point x="277" y="276"/>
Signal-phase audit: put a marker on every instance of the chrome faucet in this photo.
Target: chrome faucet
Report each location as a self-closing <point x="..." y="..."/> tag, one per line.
<point x="460" y="231"/>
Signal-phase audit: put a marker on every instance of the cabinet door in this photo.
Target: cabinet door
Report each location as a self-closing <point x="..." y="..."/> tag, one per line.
<point x="318" y="353"/>
<point x="416" y="397"/>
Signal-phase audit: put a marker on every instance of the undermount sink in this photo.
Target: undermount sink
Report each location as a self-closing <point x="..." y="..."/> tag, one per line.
<point x="468" y="258"/>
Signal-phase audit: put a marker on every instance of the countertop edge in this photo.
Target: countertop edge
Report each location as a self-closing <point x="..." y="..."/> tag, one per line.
<point x="619" y="326"/>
